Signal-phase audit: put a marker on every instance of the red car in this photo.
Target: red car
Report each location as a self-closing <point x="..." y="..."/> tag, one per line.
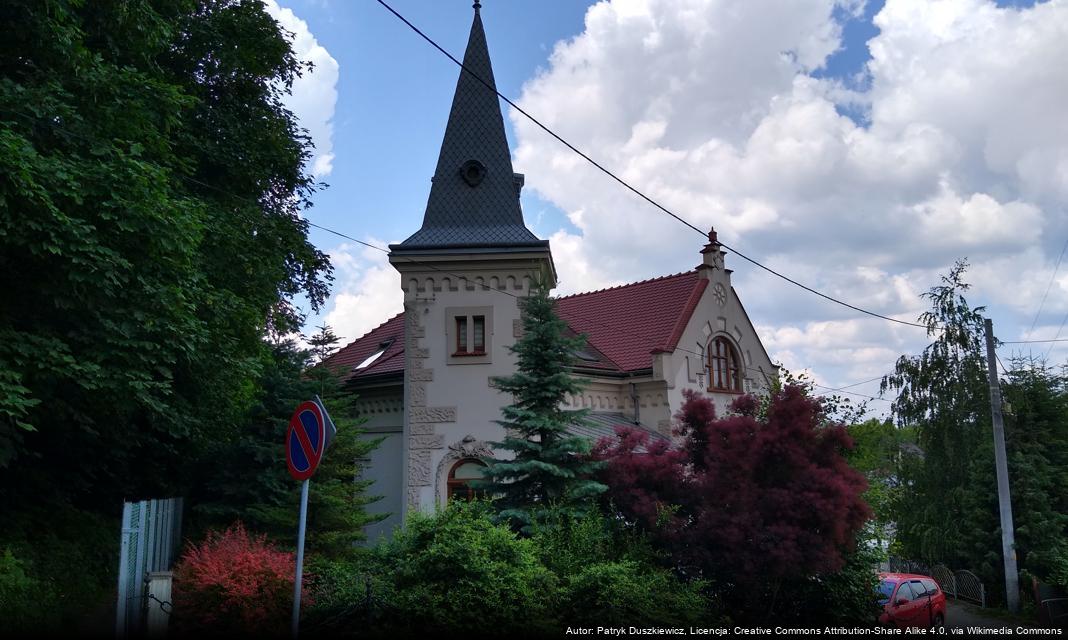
<point x="910" y="600"/>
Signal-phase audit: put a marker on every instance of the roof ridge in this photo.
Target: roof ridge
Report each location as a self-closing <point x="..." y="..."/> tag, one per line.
<point x="624" y="286"/>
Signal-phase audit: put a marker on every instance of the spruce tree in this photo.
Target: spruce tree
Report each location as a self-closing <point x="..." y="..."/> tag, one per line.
<point x="551" y="468"/>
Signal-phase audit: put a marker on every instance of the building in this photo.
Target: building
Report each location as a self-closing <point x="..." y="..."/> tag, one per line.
<point x="424" y="376"/>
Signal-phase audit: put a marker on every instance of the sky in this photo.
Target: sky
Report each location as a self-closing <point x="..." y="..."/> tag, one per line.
<point x="859" y="147"/>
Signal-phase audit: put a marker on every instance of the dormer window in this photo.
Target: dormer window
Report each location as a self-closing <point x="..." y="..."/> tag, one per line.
<point x="724" y="367"/>
<point x="369" y="360"/>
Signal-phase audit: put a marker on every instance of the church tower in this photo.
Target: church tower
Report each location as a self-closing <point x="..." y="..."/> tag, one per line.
<point x="463" y="274"/>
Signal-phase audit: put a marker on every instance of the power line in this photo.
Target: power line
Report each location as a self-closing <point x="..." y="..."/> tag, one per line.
<point x="1048" y="287"/>
<point x="648" y="339"/>
<point x="626" y="184"/>
<point x="851" y="393"/>
<point x="1057" y="335"/>
<point x="1035" y="341"/>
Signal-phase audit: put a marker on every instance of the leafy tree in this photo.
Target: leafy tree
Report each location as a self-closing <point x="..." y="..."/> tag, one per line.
<point x="753" y="503"/>
<point x="150" y="186"/>
<point x="949" y="512"/>
<point x="943" y="394"/>
<point x="877" y="452"/>
<point x="1037" y="446"/>
<point x="247" y="478"/>
<point x="550" y="468"/>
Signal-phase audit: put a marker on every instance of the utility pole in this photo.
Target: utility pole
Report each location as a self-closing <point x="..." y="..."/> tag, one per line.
<point x="1008" y="543"/>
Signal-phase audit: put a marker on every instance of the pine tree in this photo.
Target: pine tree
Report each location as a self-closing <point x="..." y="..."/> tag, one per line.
<point x="551" y="468"/>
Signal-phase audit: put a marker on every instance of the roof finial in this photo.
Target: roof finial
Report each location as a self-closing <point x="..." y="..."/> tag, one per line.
<point x="477" y="5"/>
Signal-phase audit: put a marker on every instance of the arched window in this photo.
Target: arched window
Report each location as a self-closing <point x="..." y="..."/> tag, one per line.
<point x="460" y="477"/>
<point x="724" y="370"/>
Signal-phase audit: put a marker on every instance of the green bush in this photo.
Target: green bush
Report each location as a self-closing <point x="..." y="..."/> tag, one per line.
<point x="457" y="571"/>
<point x="17" y="592"/>
<point x="58" y="570"/>
<point x="609" y="575"/>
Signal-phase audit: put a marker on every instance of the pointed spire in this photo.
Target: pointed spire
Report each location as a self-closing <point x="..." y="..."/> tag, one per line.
<point x="474" y="197"/>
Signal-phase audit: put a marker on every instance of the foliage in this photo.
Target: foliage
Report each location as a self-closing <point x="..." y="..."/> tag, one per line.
<point x="943" y="395"/>
<point x="550" y="468"/>
<point x="457" y="571"/>
<point x="42" y="594"/>
<point x="17" y="589"/>
<point x="151" y="181"/>
<point x="750" y="503"/>
<point x="843" y="597"/>
<point x="949" y="511"/>
<point x="247" y="478"/>
<point x="234" y="582"/>
<point x="1036" y="434"/>
<point x="609" y="575"/>
<point x="877" y="450"/>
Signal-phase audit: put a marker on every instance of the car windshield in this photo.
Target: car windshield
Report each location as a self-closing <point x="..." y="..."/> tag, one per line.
<point x="885" y="590"/>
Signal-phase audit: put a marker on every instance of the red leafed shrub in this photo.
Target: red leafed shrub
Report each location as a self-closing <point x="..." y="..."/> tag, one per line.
<point x="235" y="582"/>
<point x="747" y="501"/>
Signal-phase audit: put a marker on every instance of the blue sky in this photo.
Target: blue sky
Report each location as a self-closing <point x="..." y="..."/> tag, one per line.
<point x="861" y="147"/>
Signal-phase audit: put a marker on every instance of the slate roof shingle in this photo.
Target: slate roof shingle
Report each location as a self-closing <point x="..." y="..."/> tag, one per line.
<point x="486" y="213"/>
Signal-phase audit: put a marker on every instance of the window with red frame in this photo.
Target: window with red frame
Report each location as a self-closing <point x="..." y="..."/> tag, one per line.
<point x="475" y="343"/>
<point x="462" y="474"/>
<point x="724" y="372"/>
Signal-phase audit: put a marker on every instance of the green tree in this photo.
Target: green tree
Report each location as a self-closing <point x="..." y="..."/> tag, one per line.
<point x="944" y="396"/>
<point x="550" y="466"/>
<point x="247" y="478"/>
<point x="1036" y="434"/>
<point x="151" y="181"/>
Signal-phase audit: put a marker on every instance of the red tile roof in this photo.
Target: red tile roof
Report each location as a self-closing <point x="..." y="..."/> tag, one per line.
<point x="392" y="361"/>
<point x="630" y="322"/>
<point x="624" y="325"/>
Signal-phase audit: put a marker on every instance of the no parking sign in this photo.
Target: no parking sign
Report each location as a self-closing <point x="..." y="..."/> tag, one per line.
<point x="307" y="437"/>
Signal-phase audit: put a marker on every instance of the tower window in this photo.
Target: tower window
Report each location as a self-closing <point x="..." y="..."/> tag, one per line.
<point x="724" y="371"/>
<point x="479" y="338"/>
<point x="469" y="334"/>
<point x="461" y="334"/>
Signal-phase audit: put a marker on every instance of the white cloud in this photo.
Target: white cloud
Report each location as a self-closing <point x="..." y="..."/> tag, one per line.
<point x="314" y="95"/>
<point x="711" y="108"/>
<point x="367" y="290"/>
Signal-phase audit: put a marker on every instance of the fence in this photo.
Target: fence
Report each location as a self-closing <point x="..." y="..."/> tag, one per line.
<point x="962" y="585"/>
<point x="151" y="531"/>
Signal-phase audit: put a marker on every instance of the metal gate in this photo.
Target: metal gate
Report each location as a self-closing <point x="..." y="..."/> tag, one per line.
<point x="151" y="531"/>
<point x="944" y="576"/>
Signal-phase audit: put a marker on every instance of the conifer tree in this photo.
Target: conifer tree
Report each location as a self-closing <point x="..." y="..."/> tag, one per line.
<point x="551" y="468"/>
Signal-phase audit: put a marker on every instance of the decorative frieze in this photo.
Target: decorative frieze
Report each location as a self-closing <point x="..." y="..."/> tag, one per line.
<point x="432" y="414"/>
<point x="417" y="394"/>
<point x="420" y="428"/>
<point x="418" y="467"/>
<point x="421" y="375"/>
<point x="427" y="441"/>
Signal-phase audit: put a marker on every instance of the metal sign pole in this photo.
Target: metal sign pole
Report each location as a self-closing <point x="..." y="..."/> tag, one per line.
<point x="300" y="556"/>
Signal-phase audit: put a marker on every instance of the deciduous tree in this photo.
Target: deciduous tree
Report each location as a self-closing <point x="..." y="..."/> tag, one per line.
<point x="745" y="501"/>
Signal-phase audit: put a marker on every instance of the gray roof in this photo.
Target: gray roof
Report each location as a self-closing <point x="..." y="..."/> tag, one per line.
<point x="600" y="425"/>
<point x="481" y="209"/>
